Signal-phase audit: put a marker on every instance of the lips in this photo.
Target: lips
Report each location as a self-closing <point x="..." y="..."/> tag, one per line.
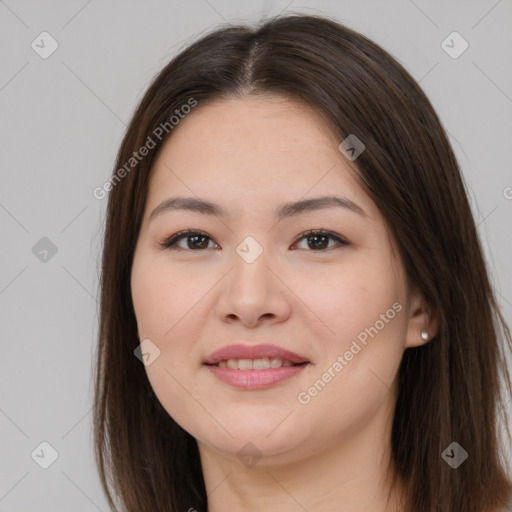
<point x="255" y="367"/>
<point x="254" y="352"/>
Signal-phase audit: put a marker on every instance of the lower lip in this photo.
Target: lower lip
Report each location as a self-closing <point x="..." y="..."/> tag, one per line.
<point x="255" y="379"/>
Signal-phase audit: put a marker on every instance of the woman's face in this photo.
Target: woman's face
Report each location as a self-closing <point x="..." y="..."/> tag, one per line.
<point x="252" y="278"/>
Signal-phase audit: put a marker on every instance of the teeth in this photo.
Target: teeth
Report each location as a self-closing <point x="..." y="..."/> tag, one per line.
<point x="254" y="364"/>
<point x="261" y="364"/>
<point x="244" y="364"/>
<point x="275" y="362"/>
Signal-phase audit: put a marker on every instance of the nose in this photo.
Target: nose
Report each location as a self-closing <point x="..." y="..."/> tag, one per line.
<point x="253" y="293"/>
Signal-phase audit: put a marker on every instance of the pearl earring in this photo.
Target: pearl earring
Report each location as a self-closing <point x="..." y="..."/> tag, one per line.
<point x="424" y="335"/>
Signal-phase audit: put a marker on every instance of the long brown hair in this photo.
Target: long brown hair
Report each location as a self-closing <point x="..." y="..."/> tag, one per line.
<point x="449" y="389"/>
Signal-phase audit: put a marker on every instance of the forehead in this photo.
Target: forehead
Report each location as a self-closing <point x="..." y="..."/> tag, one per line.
<point x="255" y="125"/>
<point x="261" y="149"/>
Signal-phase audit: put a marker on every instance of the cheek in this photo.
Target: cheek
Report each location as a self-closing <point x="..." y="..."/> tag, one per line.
<point x="163" y="298"/>
<point x="357" y="367"/>
<point x="354" y="300"/>
<point x="171" y="307"/>
<point x="168" y="311"/>
<point x="151" y="304"/>
<point x="360" y="339"/>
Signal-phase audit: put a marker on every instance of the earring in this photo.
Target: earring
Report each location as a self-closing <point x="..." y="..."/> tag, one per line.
<point x="424" y="335"/>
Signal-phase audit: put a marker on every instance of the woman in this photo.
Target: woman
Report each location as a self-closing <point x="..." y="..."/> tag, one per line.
<point x="295" y="310"/>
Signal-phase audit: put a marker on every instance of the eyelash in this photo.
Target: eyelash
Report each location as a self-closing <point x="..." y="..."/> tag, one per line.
<point x="170" y="242"/>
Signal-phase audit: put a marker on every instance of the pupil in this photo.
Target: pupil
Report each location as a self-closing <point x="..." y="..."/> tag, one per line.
<point x="316" y="237"/>
<point x="194" y="239"/>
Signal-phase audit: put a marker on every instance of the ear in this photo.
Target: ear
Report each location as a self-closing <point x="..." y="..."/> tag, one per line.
<point x="422" y="318"/>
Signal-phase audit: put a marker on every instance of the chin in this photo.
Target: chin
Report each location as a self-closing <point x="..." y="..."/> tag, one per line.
<point x="280" y="446"/>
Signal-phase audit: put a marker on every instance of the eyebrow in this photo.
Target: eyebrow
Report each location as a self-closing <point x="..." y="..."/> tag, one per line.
<point x="283" y="211"/>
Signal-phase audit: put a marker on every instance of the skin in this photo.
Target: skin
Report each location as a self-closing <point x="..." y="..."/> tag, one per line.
<point x="250" y="155"/>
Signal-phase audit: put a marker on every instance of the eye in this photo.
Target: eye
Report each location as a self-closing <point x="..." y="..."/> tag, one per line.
<point x="318" y="239"/>
<point x="195" y="240"/>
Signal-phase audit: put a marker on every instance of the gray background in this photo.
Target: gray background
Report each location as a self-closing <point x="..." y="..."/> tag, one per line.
<point x="62" y="119"/>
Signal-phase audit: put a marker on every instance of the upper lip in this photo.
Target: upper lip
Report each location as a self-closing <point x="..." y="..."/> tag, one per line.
<point x="254" y="352"/>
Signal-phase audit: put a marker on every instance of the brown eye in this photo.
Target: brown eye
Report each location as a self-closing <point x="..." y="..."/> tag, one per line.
<point x="318" y="240"/>
<point x="195" y="241"/>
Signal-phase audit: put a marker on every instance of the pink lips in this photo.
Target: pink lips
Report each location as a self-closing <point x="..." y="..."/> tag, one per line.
<point x="253" y="352"/>
<point x="254" y="379"/>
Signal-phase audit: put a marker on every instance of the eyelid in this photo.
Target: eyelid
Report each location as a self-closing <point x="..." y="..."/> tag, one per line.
<point x="170" y="242"/>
